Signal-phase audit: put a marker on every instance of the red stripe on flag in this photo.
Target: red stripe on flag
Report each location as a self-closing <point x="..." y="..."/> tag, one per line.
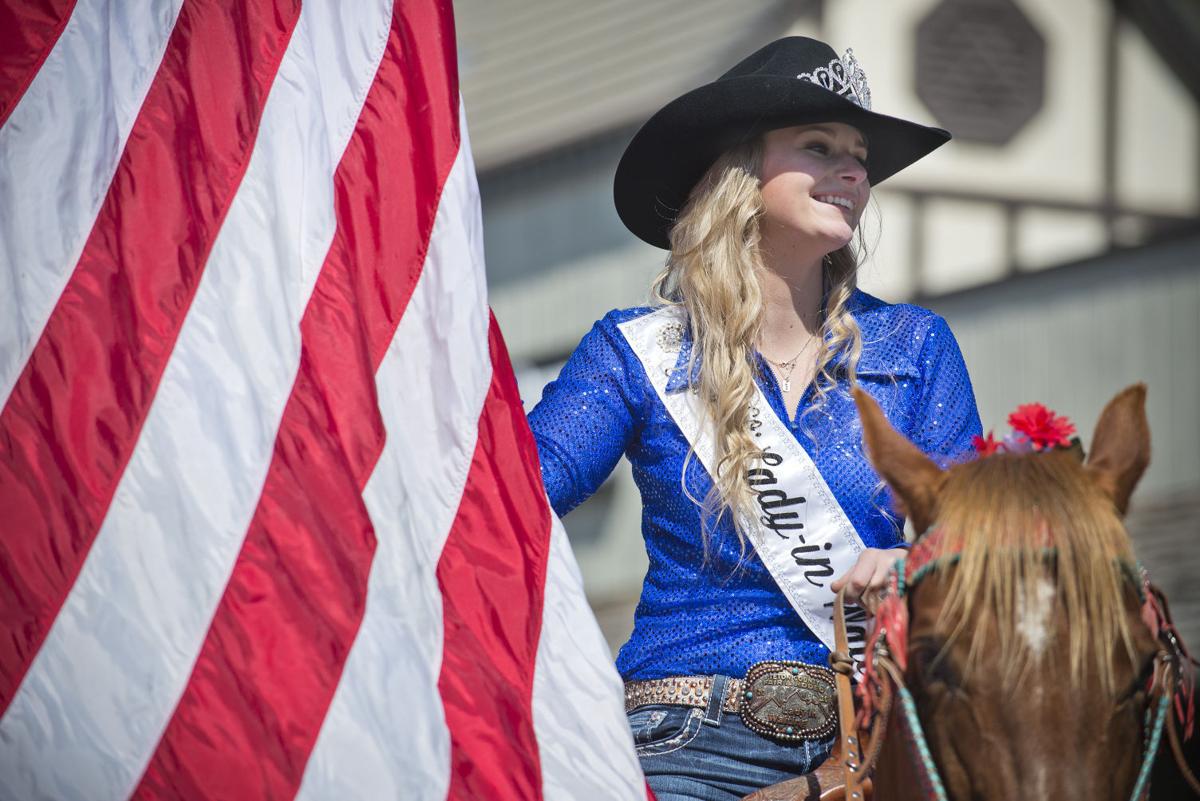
<point x="492" y="575"/>
<point x="28" y="32"/>
<point x="265" y="676"/>
<point x="71" y="422"/>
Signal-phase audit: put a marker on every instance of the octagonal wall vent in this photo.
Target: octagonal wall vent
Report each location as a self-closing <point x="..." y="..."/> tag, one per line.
<point x="981" y="68"/>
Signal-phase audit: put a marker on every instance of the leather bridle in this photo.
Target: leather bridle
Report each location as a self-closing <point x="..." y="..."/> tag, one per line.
<point x="883" y="682"/>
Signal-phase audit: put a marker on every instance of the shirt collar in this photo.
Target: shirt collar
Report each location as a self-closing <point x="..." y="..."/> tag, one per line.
<point x="882" y="355"/>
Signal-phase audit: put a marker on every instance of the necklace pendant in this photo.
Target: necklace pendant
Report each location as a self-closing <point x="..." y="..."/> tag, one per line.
<point x="787" y="385"/>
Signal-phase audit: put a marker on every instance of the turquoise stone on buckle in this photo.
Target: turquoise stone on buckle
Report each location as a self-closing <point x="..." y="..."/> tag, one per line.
<point x="789" y="701"/>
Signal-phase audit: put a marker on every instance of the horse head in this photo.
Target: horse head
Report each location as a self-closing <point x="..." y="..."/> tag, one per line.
<point x="1023" y="647"/>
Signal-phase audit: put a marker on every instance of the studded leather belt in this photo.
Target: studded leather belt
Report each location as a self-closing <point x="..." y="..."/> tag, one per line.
<point x="786" y="701"/>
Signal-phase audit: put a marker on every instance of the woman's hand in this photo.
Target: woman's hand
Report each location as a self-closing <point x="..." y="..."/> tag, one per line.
<point x="868" y="577"/>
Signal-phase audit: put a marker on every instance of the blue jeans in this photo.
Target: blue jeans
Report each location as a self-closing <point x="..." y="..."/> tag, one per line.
<point x="691" y="754"/>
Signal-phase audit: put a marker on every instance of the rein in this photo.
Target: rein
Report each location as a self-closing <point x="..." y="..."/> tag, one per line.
<point x="883" y="680"/>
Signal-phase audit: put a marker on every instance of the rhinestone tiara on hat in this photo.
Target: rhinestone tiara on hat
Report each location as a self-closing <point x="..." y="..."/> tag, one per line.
<point x="843" y="76"/>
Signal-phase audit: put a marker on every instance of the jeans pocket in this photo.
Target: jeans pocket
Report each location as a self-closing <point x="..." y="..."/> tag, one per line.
<point x="659" y="728"/>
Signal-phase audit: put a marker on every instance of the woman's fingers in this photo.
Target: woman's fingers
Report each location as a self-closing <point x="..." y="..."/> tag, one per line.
<point x="884" y="569"/>
<point x="849" y="580"/>
<point x="856" y="580"/>
<point x="867" y="579"/>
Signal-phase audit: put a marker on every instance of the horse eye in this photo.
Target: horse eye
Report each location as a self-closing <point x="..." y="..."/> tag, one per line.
<point x="933" y="665"/>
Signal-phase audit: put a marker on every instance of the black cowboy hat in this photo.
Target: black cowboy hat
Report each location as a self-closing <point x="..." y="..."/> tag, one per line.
<point x="791" y="81"/>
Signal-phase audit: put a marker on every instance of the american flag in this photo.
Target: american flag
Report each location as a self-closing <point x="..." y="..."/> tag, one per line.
<point x="271" y="523"/>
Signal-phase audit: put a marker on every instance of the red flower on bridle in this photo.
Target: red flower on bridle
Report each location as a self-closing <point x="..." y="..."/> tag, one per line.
<point x="1035" y="428"/>
<point x="1044" y="428"/>
<point x="988" y="446"/>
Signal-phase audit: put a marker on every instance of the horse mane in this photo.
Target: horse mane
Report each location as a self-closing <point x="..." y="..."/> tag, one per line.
<point x="1012" y="520"/>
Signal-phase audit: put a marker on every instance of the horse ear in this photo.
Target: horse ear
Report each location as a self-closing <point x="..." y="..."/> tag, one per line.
<point x="914" y="477"/>
<point x="1121" y="445"/>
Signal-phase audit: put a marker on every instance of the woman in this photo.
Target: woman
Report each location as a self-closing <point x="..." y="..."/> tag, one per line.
<point x="730" y="400"/>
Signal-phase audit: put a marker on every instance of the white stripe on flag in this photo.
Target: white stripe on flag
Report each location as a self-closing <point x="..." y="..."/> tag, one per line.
<point x="432" y="386"/>
<point x="139" y="612"/>
<point x="58" y="151"/>
<point x="385" y="734"/>
<point x="583" y="736"/>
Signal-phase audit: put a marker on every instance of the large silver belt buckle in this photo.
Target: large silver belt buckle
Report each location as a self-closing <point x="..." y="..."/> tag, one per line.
<point x="789" y="701"/>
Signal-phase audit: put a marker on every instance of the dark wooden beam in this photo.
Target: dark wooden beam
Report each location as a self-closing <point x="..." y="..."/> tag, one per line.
<point x="1173" y="29"/>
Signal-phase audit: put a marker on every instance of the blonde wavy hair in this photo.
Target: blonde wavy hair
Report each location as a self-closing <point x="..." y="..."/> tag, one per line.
<point x="713" y="273"/>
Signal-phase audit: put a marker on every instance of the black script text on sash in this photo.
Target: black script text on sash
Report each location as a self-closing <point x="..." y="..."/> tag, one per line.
<point x="773" y="501"/>
<point x="814" y="566"/>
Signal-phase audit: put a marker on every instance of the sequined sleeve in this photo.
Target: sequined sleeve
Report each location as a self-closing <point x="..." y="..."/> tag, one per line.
<point x="947" y="417"/>
<point x="585" y="417"/>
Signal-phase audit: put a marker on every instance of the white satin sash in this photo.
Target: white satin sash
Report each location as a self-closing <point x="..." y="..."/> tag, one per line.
<point x="801" y="534"/>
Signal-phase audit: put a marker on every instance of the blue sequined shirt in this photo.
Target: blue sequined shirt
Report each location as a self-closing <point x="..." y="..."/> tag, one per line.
<point x="723" y="615"/>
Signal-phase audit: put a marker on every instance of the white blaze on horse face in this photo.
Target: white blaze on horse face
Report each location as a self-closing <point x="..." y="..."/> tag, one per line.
<point x="1033" y="617"/>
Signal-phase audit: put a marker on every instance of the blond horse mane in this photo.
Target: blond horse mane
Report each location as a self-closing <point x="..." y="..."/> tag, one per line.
<point x="1012" y="520"/>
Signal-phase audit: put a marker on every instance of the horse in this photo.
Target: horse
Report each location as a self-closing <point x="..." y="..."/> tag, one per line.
<point x="1019" y="651"/>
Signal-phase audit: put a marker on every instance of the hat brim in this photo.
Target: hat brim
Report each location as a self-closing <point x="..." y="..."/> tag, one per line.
<point x="672" y="151"/>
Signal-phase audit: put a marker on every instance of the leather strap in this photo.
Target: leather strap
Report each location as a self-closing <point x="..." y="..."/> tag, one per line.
<point x="854" y="768"/>
<point x="1185" y="663"/>
<point x="682" y="691"/>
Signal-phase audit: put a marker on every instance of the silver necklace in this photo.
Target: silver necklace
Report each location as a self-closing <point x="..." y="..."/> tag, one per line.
<point x="789" y="365"/>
